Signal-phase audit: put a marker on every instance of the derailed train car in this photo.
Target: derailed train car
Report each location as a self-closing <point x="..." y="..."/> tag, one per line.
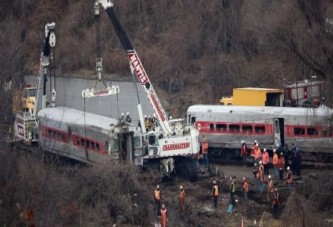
<point x="225" y="127"/>
<point x="88" y="137"/>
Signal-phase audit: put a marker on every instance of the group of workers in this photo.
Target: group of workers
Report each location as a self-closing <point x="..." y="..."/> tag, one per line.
<point x="160" y="208"/>
<point x="150" y="122"/>
<point x="262" y="164"/>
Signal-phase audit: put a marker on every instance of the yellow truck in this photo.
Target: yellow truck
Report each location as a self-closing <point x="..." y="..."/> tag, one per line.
<point x="250" y="96"/>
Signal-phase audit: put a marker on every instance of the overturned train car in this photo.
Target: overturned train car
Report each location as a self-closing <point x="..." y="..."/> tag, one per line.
<point x="87" y="137"/>
<point x="225" y="127"/>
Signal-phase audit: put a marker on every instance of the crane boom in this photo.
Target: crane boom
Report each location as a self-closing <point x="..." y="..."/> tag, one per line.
<point x="139" y="70"/>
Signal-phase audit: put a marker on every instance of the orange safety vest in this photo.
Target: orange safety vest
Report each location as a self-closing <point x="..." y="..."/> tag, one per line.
<point x="275" y="159"/>
<point x="265" y="158"/>
<point x="163" y="217"/>
<point x="215" y="190"/>
<point x="157" y="194"/>
<point x="245" y="186"/>
<point x="182" y="195"/>
<point x="257" y="153"/>
<point x="205" y="147"/>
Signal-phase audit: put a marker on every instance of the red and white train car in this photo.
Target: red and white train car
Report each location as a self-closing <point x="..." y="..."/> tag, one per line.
<point x="87" y="137"/>
<point x="226" y="126"/>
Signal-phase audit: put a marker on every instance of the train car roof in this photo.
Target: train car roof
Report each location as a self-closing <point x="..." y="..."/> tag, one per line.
<point x="321" y="111"/>
<point x="77" y="117"/>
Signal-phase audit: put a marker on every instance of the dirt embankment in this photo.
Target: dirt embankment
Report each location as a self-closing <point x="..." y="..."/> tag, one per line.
<point x="55" y="193"/>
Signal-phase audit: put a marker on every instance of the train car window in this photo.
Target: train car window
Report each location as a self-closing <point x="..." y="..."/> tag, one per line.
<point x="221" y="127"/>
<point x="234" y="128"/>
<point x="299" y="131"/>
<point x="259" y="129"/>
<point x="247" y="128"/>
<point x="88" y="144"/>
<point x="211" y="127"/>
<point x="82" y="142"/>
<point x="97" y="146"/>
<point x="93" y="145"/>
<point x="312" y="131"/>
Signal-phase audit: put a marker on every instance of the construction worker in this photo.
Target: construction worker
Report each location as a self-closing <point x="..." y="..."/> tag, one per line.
<point x="255" y="173"/>
<point x="122" y="118"/>
<point x="232" y="190"/>
<point x="270" y="188"/>
<point x="265" y="161"/>
<point x="181" y="198"/>
<point x="215" y="193"/>
<point x="245" y="188"/>
<point x="164" y="216"/>
<point x="288" y="177"/>
<point x="243" y="151"/>
<point x="128" y="118"/>
<point x="275" y="163"/>
<point x="261" y="177"/>
<point x="157" y="197"/>
<point x="204" y="149"/>
<point x="281" y="166"/>
<point x="275" y="202"/>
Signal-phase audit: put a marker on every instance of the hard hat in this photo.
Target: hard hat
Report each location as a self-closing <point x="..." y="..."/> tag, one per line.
<point x="269" y="176"/>
<point x="260" y="162"/>
<point x="264" y="149"/>
<point x="242" y="141"/>
<point x="163" y="206"/>
<point x="281" y="153"/>
<point x="244" y="178"/>
<point x="145" y="116"/>
<point x="288" y="168"/>
<point x="255" y="142"/>
<point x="255" y="164"/>
<point x="122" y="114"/>
<point x="274" y="150"/>
<point x="181" y="187"/>
<point x="214" y="182"/>
<point x="157" y="186"/>
<point x="276" y="189"/>
<point x="127" y="113"/>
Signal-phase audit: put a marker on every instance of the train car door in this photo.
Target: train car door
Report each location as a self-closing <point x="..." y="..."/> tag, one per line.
<point x="279" y="132"/>
<point x="126" y="150"/>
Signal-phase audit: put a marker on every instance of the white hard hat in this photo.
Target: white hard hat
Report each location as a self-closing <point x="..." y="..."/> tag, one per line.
<point x="242" y="141"/>
<point x="145" y="116"/>
<point x="274" y="150"/>
<point x="264" y="149"/>
<point x="214" y="182"/>
<point x="255" y="141"/>
<point x="127" y="113"/>
<point x="269" y="176"/>
<point x="181" y="187"/>
<point x="288" y="168"/>
<point x="122" y="114"/>
<point x="163" y="206"/>
<point x="157" y="186"/>
<point x="260" y="162"/>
